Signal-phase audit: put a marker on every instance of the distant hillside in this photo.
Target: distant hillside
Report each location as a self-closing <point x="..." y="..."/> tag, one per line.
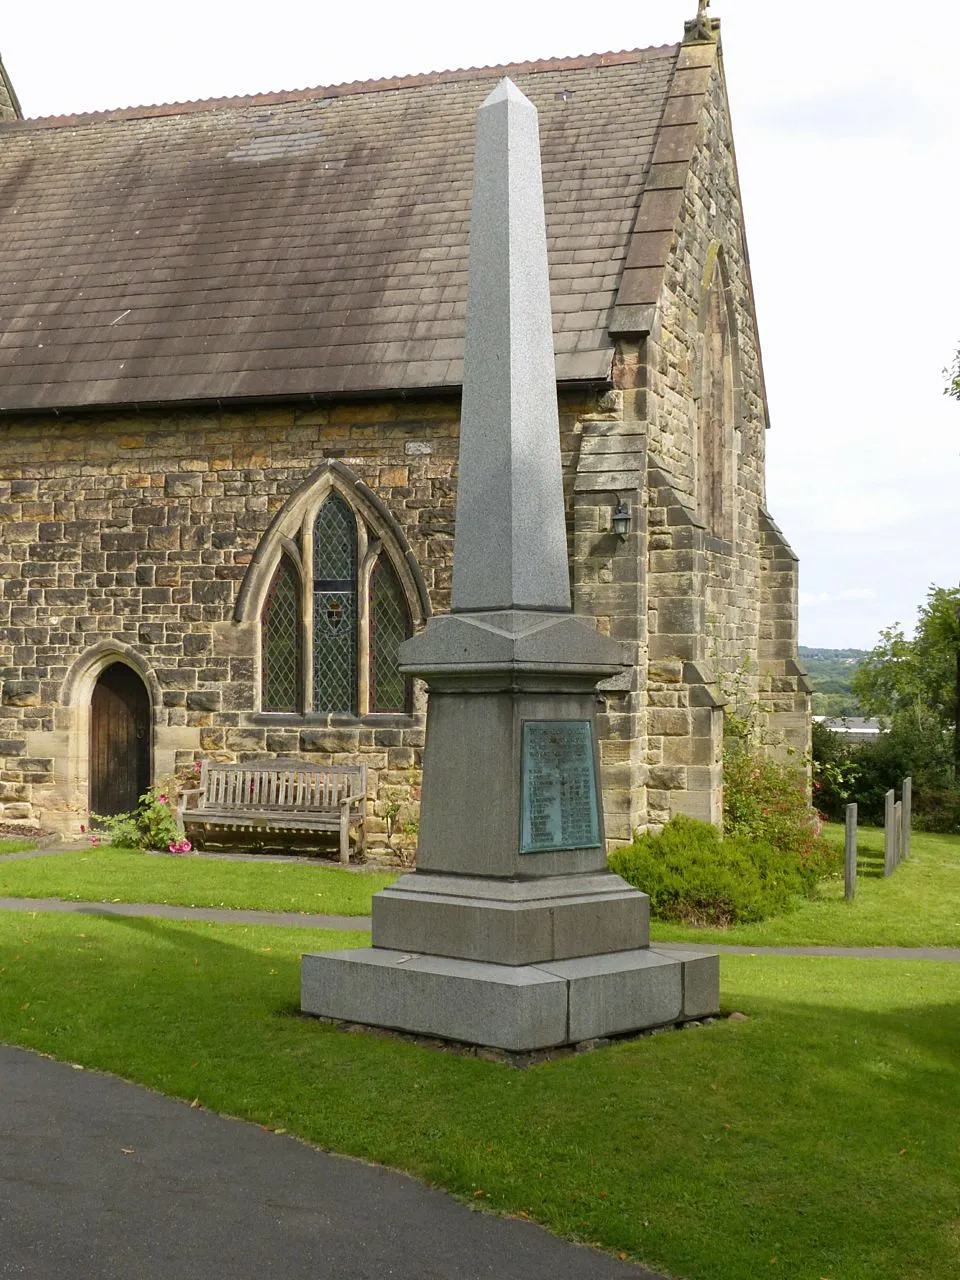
<point x="856" y="654"/>
<point x="831" y="674"/>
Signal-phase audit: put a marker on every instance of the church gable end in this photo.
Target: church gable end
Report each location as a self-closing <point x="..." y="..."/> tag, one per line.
<point x="689" y="365"/>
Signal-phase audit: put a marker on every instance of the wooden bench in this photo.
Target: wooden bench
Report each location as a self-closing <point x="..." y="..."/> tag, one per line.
<point x="281" y="796"/>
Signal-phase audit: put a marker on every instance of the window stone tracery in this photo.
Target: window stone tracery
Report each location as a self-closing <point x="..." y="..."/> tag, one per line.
<point x="333" y="617"/>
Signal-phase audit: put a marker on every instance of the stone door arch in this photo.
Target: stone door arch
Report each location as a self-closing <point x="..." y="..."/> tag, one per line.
<point x="70" y="802"/>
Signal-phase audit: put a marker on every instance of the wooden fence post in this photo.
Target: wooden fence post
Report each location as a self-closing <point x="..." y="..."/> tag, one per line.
<point x="850" y="854"/>
<point x="907" y="817"/>
<point x="889" y="833"/>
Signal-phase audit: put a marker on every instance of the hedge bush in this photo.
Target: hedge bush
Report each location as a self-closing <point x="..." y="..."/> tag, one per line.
<point x="936" y="809"/>
<point x="694" y="875"/>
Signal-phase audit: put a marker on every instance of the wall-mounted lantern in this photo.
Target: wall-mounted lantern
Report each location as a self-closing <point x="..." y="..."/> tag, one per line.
<point x="621" y="519"/>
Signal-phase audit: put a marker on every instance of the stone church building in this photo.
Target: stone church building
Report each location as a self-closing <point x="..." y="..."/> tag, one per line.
<point x="230" y="364"/>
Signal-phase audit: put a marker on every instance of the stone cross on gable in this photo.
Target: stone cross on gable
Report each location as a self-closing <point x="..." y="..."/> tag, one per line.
<point x="701" y="29"/>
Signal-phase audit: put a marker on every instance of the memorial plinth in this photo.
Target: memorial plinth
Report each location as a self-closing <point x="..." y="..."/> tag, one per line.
<point x="512" y="932"/>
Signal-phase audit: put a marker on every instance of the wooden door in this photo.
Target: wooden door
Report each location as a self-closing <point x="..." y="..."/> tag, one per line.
<point x="119" y="741"/>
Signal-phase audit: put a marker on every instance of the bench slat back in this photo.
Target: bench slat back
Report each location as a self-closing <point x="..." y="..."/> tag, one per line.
<point x="280" y="784"/>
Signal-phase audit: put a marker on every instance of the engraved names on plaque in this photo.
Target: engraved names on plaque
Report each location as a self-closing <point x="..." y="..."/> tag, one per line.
<point x="558" y="784"/>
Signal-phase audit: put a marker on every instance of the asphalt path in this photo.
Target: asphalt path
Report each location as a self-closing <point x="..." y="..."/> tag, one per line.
<point x="105" y="1180"/>
<point x="163" y="911"/>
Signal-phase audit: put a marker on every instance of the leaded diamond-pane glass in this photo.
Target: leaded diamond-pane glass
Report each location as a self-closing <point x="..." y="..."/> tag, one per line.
<point x="335" y="608"/>
<point x="281" y="641"/>
<point x="389" y="627"/>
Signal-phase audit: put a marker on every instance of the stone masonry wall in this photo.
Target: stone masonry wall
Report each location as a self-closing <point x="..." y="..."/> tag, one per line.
<point x="684" y="704"/>
<point x="129" y="536"/>
<point x="609" y="583"/>
<point x="134" y="532"/>
<point x="784" y="687"/>
<point x="9" y="107"/>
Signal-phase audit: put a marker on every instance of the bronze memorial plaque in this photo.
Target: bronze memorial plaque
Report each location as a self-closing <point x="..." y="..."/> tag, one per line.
<point x="558" y="786"/>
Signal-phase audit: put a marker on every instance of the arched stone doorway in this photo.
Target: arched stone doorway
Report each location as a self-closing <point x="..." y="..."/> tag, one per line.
<point x="119" y="740"/>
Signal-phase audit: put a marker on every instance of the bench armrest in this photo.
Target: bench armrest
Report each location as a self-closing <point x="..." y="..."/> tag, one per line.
<point x="188" y="800"/>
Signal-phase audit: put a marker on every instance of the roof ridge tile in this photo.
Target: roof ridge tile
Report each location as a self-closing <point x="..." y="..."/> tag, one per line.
<point x="277" y="97"/>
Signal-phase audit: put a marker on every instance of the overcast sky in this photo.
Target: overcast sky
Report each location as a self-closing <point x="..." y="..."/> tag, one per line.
<point x="847" y="125"/>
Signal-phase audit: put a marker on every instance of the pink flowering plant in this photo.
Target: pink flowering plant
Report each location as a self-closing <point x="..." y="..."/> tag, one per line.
<point x="153" y="824"/>
<point x="766" y="800"/>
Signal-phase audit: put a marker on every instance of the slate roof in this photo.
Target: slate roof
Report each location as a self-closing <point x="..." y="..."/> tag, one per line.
<point x="307" y="243"/>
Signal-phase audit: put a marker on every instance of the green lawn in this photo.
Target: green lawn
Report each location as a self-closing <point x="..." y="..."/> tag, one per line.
<point x="125" y="875"/>
<point x="816" y="1139"/>
<point x="918" y="906"/>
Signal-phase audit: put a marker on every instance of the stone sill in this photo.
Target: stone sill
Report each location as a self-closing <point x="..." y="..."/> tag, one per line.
<point x="291" y="720"/>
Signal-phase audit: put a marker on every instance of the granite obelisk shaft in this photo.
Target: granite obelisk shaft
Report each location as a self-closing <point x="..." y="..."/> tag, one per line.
<point x="502" y="937"/>
<point x="511" y="548"/>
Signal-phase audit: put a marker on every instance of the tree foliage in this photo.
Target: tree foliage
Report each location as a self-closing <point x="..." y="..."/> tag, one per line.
<point x="912" y="685"/>
<point x="953" y="377"/>
<point x="914" y="680"/>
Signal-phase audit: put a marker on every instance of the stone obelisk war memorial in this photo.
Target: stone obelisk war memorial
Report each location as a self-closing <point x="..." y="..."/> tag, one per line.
<point x="512" y="932"/>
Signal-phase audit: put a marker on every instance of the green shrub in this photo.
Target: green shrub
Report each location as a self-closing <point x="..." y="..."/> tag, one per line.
<point x="834" y="772"/>
<point x="696" y="876"/>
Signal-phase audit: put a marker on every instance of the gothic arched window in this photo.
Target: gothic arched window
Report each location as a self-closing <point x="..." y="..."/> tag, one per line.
<point x="335" y="608"/>
<point x="331" y="630"/>
<point x="282" y="659"/>
<point x="389" y="627"/>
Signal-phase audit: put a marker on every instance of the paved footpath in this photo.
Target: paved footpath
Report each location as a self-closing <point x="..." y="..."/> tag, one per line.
<point x="302" y="920"/>
<point x="216" y="915"/>
<point x="104" y="1180"/>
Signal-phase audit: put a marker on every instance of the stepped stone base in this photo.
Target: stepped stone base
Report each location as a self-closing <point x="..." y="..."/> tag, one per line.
<point x="513" y="1007"/>
<point x="511" y="922"/>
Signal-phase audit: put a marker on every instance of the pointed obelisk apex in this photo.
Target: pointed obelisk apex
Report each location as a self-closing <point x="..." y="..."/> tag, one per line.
<point x="510" y="550"/>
